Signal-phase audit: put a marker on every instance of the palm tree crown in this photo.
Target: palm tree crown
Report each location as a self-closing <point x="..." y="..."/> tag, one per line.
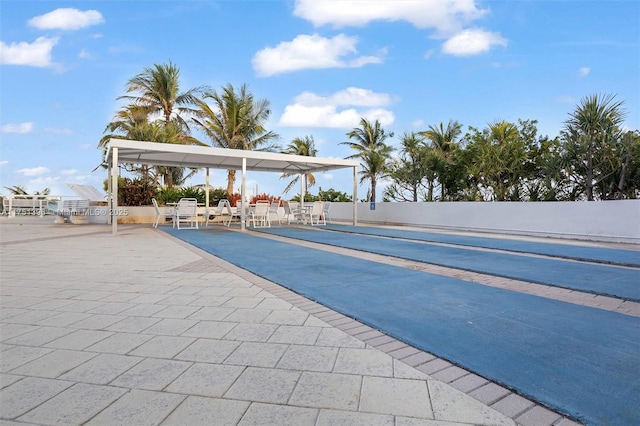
<point x="235" y="120"/>
<point x="300" y="146"/>
<point x="372" y="151"/>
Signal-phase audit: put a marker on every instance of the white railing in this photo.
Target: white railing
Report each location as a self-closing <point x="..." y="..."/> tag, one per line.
<point x="27" y="205"/>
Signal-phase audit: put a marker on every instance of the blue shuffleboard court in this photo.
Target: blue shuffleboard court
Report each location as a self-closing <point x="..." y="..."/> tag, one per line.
<point x="568" y="251"/>
<point x="582" y="361"/>
<point x="609" y="280"/>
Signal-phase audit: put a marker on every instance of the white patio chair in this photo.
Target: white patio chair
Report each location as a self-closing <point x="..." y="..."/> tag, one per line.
<point x="274" y="207"/>
<point x="161" y="212"/>
<point x="289" y="212"/>
<point x="326" y="206"/>
<point x="231" y="213"/>
<point x="186" y="212"/>
<point x="219" y="211"/>
<point x="259" y="215"/>
<point x="315" y="214"/>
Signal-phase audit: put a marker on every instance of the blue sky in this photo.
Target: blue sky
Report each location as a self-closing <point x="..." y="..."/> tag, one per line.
<point x="322" y="65"/>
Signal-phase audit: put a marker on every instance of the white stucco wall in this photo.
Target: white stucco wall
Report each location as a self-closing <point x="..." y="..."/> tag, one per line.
<point x="598" y="220"/>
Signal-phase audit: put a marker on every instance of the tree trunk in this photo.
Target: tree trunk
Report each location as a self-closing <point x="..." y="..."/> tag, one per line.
<point x="373" y="191"/>
<point x="231" y="180"/>
<point x="589" y="177"/>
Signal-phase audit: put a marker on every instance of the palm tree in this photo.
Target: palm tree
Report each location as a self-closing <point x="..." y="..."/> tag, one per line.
<point x="235" y="121"/>
<point x="444" y="141"/>
<point x="300" y="146"/>
<point x="158" y="90"/>
<point x="589" y="134"/>
<point x="372" y="152"/>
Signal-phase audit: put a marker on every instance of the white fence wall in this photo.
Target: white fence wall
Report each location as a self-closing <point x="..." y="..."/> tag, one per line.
<point x="596" y="220"/>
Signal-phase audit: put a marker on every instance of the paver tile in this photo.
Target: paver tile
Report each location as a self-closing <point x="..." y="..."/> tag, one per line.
<point x="206" y="380"/>
<point x="163" y="346"/>
<point x="275" y="385"/>
<point x="352" y="418"/>
<point x="210" y="329"/>
<point x="151" y="374"/>
<point x="39" y="336"/>
<point x="79" y="339"/>
<point x="27" y="394"/>
<point x="170" y="326"/>
<point x="327" y="390"/>
<point x="257" y="354"/>
<point x="308" y="358"/>
<point x="538" y="416"/>
<point x="286" y="317"/>
<point x="139" y="408"/>
<point x="364" y="361"/>
<point x="450" y="404"/>
<point x="102" y="369"/>
<point x="120" y="343"/>
<point x="242" y="302"/>
<point x="196" y="410"/>
<point x="403" y="371"/>
<point x="212" y="313"/>
<point x="299" y="335"/>
<point x="176" y="312"/>
<point x="275" y="304"/>
<point x="8" y="379"/>
<point x="208" y="350"/>
<point x="54" y="363"/>
<point x="133" y="324"/>
<point x="75" y="405"/>
<point x="251" y="332"/>
<point x="248" y="315"/>
<point x="10" y="331"/>
<point x="260" y="414"/>
<point x="335" y="337"/>
<point x="97" y="322"/>
<point x="490" y="393"/>
<point x="400" y="397"/>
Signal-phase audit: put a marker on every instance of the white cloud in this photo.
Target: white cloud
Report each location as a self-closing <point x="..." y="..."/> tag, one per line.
<point x="311" y="52"/>
<point x="446" y="16"/>
<point x="312" y="110"/>
<point x="418" y="124"/>
<point x="36" y="54"/>
<point x="21" y="128"/>
<point x="448" y="19"/>
<point x="471" y="42"/>
<point x="66" y="19"/>
<point x="56" y="131"/>
<point x="35" y="171"/>
<point x="584" y="71"/>
<point x="4" y="163"/>
<point x="350" y="96"/>
<point x="84" y="54"/>
<point x="68" y="172"/>
<point x="565" y="99"/>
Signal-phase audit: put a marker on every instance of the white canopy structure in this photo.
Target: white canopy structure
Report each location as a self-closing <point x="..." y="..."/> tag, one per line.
<point x="151" y="153"/>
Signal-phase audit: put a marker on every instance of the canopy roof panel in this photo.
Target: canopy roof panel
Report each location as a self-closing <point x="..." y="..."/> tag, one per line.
<point x="139" y="152"/>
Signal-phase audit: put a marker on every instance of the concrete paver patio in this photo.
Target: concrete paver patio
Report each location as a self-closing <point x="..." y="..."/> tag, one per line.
<point x="143" y="329"/>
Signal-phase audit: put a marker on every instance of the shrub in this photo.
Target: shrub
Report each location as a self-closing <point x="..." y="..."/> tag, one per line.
<point x="136" y="192"/>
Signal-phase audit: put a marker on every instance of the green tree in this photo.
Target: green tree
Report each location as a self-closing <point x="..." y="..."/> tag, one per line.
<point x="155" y="92"/>
<point x="591" y="139"/>
<point x="408" y="172"/>
<point x="444" y="141"/>
<point x="372" y="151"/>
<point x="300" y="146"/>
<point x="236" y="120"/>
<point x="498" y="161"/>
<point x="157" y="89"/>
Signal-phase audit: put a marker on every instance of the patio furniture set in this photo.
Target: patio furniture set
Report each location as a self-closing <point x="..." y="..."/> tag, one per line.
<point x="259" y="215"/>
